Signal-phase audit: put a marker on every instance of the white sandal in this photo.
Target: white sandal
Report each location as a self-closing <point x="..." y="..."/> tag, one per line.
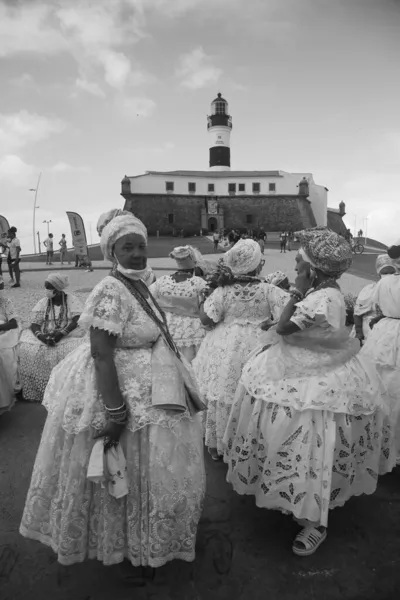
<point x="311" y="538"/>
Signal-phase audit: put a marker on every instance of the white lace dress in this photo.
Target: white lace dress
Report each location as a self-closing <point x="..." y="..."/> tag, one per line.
<point x="365" y="308"/>
<point x="157" y="521"/>
<point x="181" y="303"/>
<point x="9" y="362"/>
<point x="306" y="431"/>
<point x="383" y="347"/>
<point x="238" y="312"/>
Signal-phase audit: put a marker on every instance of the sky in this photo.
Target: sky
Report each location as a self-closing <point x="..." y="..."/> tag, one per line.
<point x="96" y="89"/>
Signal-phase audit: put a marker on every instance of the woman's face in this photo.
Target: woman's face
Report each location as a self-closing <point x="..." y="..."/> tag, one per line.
<point x="131" y="252"/>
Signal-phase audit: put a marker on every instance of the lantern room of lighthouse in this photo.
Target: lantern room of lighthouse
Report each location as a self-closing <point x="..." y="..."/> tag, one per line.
<point x="219" y="125"/>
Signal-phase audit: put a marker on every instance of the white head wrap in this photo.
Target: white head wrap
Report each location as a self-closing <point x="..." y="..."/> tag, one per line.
<point x="58" y="281"/>
<point x="244" y="257"/>
<point x="276" y="278"/>
<point x="116" y="229"/>
<point x="382" y="261"/>
<point x="184" y="256"/>
<point x="106" y="217"/>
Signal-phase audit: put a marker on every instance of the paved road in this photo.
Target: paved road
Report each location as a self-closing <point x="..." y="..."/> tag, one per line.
<point x="242" y="552"/>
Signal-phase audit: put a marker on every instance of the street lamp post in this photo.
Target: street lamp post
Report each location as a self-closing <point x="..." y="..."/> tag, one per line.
<point x="48" y="230"/>
<point x="366" y="230"/>
<point x="36" y="190"/>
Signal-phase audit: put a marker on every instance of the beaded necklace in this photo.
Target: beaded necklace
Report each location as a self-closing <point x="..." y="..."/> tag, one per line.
<point x="328" y="283"/>
<point x="61" y="316"/>
<point x="134" y="288"/>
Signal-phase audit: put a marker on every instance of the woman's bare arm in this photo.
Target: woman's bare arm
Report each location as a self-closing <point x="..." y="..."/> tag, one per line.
<point x="285" y="325"/>
<point x="102" y="346"/>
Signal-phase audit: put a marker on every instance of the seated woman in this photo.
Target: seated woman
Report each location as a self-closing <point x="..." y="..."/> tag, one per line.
<point x="365" y="309"/>
<point x="52" y="336"/>
<point x="9" y="336"/>
<point x="279" y="279"/>
<point x="180" y="295"/>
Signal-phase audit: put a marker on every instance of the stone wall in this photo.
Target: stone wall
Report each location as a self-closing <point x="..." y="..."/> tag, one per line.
<point x="274" y="213"/>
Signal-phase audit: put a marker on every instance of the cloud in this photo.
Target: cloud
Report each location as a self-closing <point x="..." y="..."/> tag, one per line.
<point x="62" y="167"/>
<point x="14" y="170"/>
<point x="90" y="87"/>
<point x="196" y="71"/>
<point x="20" y="129"/>
<point x="134" y="107"/>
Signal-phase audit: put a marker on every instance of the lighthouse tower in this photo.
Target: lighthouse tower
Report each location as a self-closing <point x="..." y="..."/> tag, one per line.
<point x="219" y="125"/>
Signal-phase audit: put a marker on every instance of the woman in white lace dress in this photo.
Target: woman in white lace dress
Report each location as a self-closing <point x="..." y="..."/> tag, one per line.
<point x="365" y="309"/>
<point x="306" y="428"/>
<point x="9" y="338"/>
<point x="53" y="334"/>
<point x="235" y="313"/>
<point x="122" y="386"/>
<point x="179" y="295"/>
<point x="383" y="347"/>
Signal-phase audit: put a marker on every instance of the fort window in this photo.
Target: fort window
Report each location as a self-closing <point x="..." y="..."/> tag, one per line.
<point x="256" y="188"/>
<point x="232" y="188"/>
<point x="169" y="186"/>
<point x="170" y="218"/>
<point x="191" y="187"/>
<point x="242" y="187"/>
<point x="249" y="219"/>
<point x="210" y="187"/>
<point x="272" y="187"/>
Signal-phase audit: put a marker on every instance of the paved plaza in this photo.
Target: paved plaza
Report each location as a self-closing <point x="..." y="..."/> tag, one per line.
<point x="243" y="552"/>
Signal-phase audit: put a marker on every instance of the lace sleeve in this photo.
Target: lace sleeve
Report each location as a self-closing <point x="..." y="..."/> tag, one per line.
<point x="106" y="308"/>
<point x="75" y="306"/>
<point x="10" y="310"/>
<point x="39" y="311"/>
<point x="325" y="306"/>
<point x="214" y="305"/>
<point x="277" y="300"/>
<point x="364" y="303"/>
<point x="155" y="289"/>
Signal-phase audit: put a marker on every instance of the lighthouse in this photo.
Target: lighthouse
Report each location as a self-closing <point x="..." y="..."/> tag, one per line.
<point x="219" y="125"/>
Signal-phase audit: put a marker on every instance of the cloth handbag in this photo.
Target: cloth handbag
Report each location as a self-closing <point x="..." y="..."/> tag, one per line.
<point x="108" y="468"/>
<point x="183" y="393"/>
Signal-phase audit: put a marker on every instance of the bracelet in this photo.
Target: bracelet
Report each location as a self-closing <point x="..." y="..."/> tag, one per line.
<point x="297" y="295"/>
<point x="111" y="410"/>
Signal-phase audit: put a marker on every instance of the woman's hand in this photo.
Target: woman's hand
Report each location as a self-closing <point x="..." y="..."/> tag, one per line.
<point x="111" y="434"/>
<point x="303" y="281"/>
<point x="42" y="338"/>
<point x="360" y="337"/>
<point x="267" y="324"/>
<point x="57" y="336"/>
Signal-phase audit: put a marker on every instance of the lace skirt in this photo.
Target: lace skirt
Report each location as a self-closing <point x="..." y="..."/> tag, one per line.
<point x="187" y="333"/>
<point x="218" y="367"/>
<point x="383" y="347"/>
<point x="38" y="360"/>
<point x="155" y="523"/>
<point x="304" y="462"/>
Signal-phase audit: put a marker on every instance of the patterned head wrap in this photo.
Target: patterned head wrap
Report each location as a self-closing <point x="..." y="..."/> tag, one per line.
<point x="116" y="229"/>
<point x="325" y="250"/>
<point x="244" y="257"/>
<point x="108" y="216"/>
<point x="58" y="281"/>
<point x="382" y="261"/>
<point x="184" y="256"/>
<point x="276" y="278"/>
